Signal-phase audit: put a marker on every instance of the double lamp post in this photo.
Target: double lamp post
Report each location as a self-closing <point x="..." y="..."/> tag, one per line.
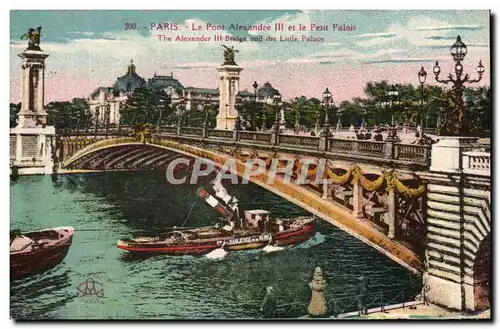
<point x="453" y="122"/>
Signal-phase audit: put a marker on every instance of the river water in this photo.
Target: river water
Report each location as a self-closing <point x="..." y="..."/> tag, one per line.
<point x="104" y="207"/>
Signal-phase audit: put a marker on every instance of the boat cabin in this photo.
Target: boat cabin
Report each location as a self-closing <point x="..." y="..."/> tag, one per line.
<point x="256" y="219"/>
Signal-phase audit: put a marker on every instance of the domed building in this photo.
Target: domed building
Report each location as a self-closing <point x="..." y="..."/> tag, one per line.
<point x="130" y="81"/>
<point x="106" y="102"/>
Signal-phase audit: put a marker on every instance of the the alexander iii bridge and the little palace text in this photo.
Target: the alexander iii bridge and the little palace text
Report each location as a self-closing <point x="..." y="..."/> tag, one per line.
<point x="427" y="207"/>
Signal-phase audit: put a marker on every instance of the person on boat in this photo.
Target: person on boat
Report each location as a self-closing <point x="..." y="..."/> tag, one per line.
<point x="258" y="222"/>
<point x="268" y="224"/>
<point x="229" y="226"/>
<point x="271" y="242"/>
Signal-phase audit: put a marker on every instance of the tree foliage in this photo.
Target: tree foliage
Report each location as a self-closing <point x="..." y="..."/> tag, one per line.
<point x="69" y="114"/>
<point x="146" y="105"/>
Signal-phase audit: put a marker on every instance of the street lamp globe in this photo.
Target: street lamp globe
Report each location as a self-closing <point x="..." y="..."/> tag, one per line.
<point x="459" y="68"/>
<point x="393" y="92"/>
<point x="277" y="97"/>
<point x="422" y="75"/>
<point x="436" y="69"/>
<point x="327" y="95"/>
<point x="458" y="50"/>
<point x="480" y="68"/>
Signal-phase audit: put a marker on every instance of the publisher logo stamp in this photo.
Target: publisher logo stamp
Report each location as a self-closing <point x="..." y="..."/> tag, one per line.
<point x="90" y="287"/>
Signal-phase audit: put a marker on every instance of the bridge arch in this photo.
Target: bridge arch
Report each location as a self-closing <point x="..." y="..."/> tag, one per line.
<point x="304" y="198"/>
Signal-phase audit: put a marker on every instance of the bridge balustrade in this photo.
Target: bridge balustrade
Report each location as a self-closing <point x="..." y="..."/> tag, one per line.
<point x="369" y="147"/>
<point x="299" y="140"/>
<point x="168" y="129"/>
<point x="478" y="163"/>
<point x="193" y="131"/>
<point x="408" y="152"/>
<point x="220" y="133"/>
<point x="254" y="136"/>
<point x="389" y="150"/>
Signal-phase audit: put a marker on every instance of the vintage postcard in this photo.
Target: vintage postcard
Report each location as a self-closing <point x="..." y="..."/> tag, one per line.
<point x="299" y="164"/>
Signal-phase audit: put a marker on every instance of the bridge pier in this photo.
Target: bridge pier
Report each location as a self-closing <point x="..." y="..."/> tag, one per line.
<point x="457" y="274"/>
<point x="32" y="141"/>
<point x="31" y="150"/>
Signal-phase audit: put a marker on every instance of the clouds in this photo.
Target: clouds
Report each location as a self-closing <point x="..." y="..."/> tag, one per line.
<point x="98" y="49"/>
<point x="376" y="35"/>
<point x="444" y="26"/>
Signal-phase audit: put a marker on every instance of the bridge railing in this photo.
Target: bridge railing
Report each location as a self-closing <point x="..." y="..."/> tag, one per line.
<point x="168" y="129"/>
<point x="299" y="140"/>
<point x="193" y="131"/>
<point x="220" y="133"/>
<point x="412" y="152"/>
<point x="352" y="305"/>
<point x="370" y="148"/>
<point x="477" y="163"/>
<point x="419" y="154"/>
<point x="254" y="136"/>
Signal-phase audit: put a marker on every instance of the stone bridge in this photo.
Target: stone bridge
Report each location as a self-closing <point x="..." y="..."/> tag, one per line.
<point x="427" y="208"/>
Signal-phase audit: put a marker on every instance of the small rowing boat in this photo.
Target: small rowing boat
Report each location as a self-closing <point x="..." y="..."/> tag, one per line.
<point x="38" y="251"/>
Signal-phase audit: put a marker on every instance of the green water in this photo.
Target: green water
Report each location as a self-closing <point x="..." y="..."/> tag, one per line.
<point x="117" y="205"/>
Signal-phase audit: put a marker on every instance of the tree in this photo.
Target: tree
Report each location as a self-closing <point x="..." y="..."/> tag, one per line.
<point x="14" y="110"/>
<point x="251" y="114"/>
<point x="146" y="105"/>
<point x="68" y="114"/>
<point x="478" y="114"/>
<point x="195" y="117"/>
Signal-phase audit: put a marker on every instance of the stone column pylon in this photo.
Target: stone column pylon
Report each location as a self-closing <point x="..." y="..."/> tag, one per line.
<point x="229" y="87"/>
<point x="32" y="111"/>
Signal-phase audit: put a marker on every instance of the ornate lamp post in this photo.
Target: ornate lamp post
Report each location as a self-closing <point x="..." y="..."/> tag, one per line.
<point x="327" y="96"/>
<point x="97" y="110"/>
<point x="422" y="75"/>
<point x="181" y="114"/>
<point x="277" y="104"/>
<point x="160" y="107"/>
<point x="107" y="116"/>
<point x="208" y="100"/>
<point x="363" y="123"/>
<point x="393" y="96"/>
<point x="453" y="124"/>
<point x="237" y="123"/>
<point x="255" y="86"/>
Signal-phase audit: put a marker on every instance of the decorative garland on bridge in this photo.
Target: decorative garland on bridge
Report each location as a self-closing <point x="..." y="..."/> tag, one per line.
<point x="354" y="171"/>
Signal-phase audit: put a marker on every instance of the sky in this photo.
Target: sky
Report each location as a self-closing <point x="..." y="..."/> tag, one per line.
<point x="88" y="49"/>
